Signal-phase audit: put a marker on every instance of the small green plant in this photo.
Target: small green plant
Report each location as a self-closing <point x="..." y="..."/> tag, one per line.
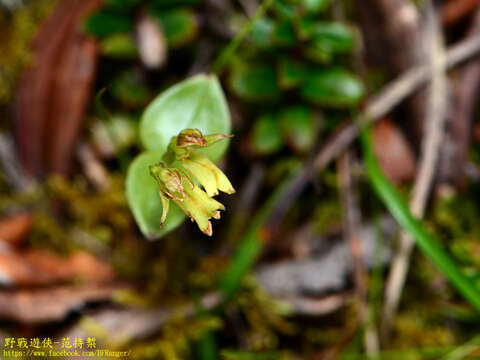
<point x="178" y="157"/>
<point x="177" y="185"/>
<point x="296" y="65"/>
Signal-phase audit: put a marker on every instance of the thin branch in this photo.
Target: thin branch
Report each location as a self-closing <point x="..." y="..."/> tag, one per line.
<point x="352" y="222"/>
<point x="458" y="135"/>
<point x="435" y="121"/>
<point x="391" y="95"/>
<point x="352" y="225"/>
<point x="15" y="176"/>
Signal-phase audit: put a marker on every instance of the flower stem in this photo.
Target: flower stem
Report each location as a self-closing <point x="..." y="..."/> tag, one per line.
<point x="230" y="49"/>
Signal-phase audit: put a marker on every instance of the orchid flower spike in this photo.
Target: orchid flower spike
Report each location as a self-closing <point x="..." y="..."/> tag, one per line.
<point x="182" y="169"/>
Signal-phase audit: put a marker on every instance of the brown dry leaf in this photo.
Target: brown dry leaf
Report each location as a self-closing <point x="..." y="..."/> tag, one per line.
<point x="51" y="304"/>
<point x="43" y="268"/>
<point x="16" y="271"/>
<point x="14" y="230"/>
<point x="394" y="154"/>
<point x="476" y="133"/>
<point x="455" y="10"/>
<point x="129" y="323"/>
<point x="53" y="93"/>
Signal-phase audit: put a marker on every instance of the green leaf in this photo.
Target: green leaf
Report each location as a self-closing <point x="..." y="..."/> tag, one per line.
<point x="333" y="87"/>
<point x="305" y="27"/>
<point x="329" y="39"/>
<point x="315" y="6"/>
<point x="179" y="26"/>
<point x="285" y="9"/>
<point x="254" y="82"/>
<point x="128" y="88"/>
<point x="144" y="199"/>
<point x="119" y="46"/>
<point x="428" y="244"/>
<point x="290" y="73"/>
<point x="284" y="34"/>
<point x="104" y="23"/>
<point x="262" y="32"/>
<point x="266" y="137"/>
<point x="196" y="103"/>
<point x="297" y="124"/>
<point x="116" y="134"/>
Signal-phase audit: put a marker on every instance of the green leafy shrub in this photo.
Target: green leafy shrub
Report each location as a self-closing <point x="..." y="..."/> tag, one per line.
<point x="296" y="65"/>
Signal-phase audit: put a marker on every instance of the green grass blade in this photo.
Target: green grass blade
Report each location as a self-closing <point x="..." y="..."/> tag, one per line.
<point x="250" y="247"/>
<point x="463" y="351"/>
<point x="426" y="242"/>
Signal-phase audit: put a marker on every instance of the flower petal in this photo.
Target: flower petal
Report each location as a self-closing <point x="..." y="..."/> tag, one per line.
<point x="208" y="174"/>
<point x="200" y="207"/>
<point x="204" y="176"/>
<point x="165" y="207"/>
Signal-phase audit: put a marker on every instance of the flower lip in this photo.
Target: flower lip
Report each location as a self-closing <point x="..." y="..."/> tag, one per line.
<point x="194" y="137"/>
<point x="191" y="137"/>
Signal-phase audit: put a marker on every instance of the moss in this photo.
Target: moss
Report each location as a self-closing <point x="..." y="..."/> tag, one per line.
<point x="413" y="329"/>
<point x="16" y="34"/>
<point x="265" y="317"/>
<point x="175" y="338"/>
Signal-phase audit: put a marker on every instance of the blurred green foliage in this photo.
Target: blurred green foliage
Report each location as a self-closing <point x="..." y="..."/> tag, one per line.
<point x="114" y="23"/>
<point x="296" y="56"/>
<point x="16" y="33"/>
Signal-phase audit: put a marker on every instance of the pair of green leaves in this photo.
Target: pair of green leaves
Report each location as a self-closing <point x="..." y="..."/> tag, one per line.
<point x="295" y="126"/>
<point x="296" y="45"/>
<point x="196" y="103"/>
<point x="329" y="87"/>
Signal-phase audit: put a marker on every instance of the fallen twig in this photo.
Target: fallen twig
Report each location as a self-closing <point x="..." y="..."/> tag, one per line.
<point x="352" y="223"/>
<point x="426" y="242"/>
<point x="92" y="167"/>
<point x="434" y="128"/>
<point x="14" y="173"/>
<point x="379" y="105"/>
<point x="454" y="155"/>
